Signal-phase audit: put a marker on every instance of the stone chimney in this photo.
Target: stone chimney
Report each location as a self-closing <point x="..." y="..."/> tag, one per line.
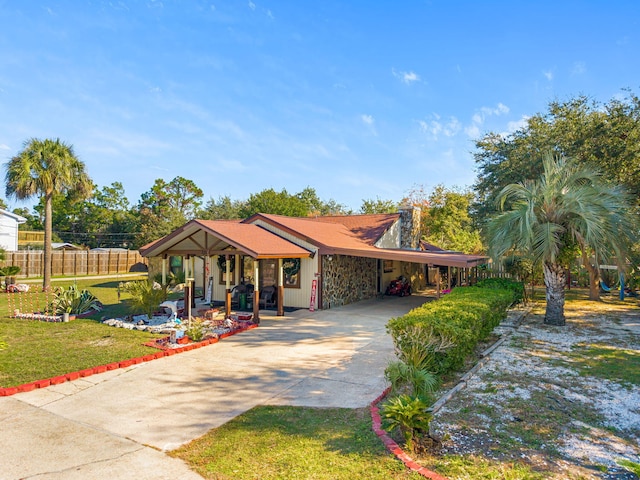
<point x="410" y="227"/>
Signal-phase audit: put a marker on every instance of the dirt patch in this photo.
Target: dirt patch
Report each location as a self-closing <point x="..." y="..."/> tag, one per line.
<point x="540" y="401"/>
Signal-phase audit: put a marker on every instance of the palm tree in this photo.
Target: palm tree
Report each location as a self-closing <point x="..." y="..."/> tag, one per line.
<point x="42" y="168"/>
<point x="569" y="206"/>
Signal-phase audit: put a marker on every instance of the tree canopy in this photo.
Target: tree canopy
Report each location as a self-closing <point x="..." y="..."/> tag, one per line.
<point x="604" y="136"/>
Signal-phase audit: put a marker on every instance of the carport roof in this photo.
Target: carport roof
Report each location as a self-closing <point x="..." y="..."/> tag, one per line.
<point x="220" y="237"/>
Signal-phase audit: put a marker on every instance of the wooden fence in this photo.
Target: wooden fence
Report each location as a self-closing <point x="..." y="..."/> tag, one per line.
<point x="76" y="262"/>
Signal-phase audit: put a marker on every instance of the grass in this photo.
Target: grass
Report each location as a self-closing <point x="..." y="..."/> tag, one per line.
<point x="270" y="442"/>
<point x="294" y="443"/>
<point x="471" y="467"/>
<point x="608" y="362"/>
<point x="37" y="350"/>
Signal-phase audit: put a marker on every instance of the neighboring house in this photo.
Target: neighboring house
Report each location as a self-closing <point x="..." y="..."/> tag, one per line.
<point x="9" y="230"/>
<point x="321" y="262"/>
<point x="64" y="246"/>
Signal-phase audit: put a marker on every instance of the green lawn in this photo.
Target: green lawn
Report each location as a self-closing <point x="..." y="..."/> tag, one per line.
<point x="267" y="442"/>
<point x="294" y="443"/>
<point x="37" y="350"/>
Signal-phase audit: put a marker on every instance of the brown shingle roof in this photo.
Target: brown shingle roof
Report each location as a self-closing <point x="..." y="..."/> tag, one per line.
<point x="334" y="231"/>
<point x="346" y="235"/>
<point x="209" y="237"/>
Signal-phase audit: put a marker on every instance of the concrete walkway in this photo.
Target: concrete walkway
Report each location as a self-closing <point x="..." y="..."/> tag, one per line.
<point x="116" y="425"/>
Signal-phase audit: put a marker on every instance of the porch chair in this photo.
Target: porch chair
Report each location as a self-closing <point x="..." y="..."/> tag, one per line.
<point x="268" y="296"/>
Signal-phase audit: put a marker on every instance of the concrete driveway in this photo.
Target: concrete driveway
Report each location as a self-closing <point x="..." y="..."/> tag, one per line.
<point x="116" y="425"/>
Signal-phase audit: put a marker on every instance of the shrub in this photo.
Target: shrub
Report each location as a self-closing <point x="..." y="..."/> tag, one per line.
<point x="504" y="284"/>
<point x="409" y="414"/>
<point x="145" y="298"/>
<point x="74" y="301"/>
<point x="454" y="324"/>
<point x="196" y="331"/>
<point x="421" y="382"/>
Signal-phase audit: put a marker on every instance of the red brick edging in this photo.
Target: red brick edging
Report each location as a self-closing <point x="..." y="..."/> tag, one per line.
<point x="392" y="446"/>
<point x="28" y="387"/>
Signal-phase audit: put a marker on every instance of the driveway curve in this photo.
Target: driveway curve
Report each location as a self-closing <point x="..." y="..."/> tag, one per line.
<point x="116" y="425"/>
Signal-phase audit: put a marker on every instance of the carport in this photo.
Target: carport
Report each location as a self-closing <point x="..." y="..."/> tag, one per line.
<point x="206" y="239"/>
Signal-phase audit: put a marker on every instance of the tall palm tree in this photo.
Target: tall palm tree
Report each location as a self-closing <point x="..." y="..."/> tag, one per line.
<point x="569" y="206"/>
<point x="42" y="168"/>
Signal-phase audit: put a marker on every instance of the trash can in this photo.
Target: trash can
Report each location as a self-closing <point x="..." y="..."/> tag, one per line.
<point x="242" y="301"/>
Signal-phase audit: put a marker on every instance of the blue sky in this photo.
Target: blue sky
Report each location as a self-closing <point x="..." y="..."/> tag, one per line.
<point x="356" y="99"/>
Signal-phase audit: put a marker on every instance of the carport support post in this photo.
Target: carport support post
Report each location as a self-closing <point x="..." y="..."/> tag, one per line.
<point x="449" y="277"/>
<point x="227" y="296"/>
<point x="438" y="282"/>
<point x="164" y="270"/>
<point x="280" y="289"/>
<point x="256" y="293"/>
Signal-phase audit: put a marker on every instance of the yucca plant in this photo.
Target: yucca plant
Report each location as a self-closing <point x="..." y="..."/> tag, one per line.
<point x="74" y="301"/>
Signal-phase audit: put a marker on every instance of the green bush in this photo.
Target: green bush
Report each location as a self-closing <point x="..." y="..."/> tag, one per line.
<point x="409" y="414"/>
<point x="504" y="284"/>
<point x="196" y="331"/>
<point x="456" y="323"/>
<point x="144" y="297"/>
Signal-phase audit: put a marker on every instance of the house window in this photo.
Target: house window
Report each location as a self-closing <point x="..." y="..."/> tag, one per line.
<point x="291" y="270"/>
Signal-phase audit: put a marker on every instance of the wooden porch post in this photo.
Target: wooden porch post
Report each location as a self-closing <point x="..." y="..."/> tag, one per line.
<point x="256" y="292"/>
<point x="227" y="296"/>
<point x="280" y="312"/>
<point x="449" y="277"/>
<point x="164" y="270"/>
<point x="437" y="282"/>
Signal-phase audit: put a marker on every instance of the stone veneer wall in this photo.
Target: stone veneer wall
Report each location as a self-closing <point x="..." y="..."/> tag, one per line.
<point x="416" y="273"/>
<point x="347" y="279"/>
<point x="410" y="227"/>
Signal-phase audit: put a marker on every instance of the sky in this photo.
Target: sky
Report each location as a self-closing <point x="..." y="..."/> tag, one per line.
<point x="358" y="100"/>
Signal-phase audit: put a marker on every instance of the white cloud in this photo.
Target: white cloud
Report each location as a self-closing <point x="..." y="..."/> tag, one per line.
<point x="579" y="68"/>
<point x="472" y="131"/>
<point x="435" y="128"/>
<point x="4" y="147"/>
<point x="478" y="118"/>
<point x="548" y="75"/>
<point x="517" y="124"/>
<point x="252" y="5"/>
<point x="406" y="77"/>
<point x="270" y="15"/>
<point x="500" y="109"/>
<point x="155" y="4"/>
<point x="369" y="121"/>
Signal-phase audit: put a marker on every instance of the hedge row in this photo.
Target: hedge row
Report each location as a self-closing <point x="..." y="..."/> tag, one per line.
<point x="458" y="320"/>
